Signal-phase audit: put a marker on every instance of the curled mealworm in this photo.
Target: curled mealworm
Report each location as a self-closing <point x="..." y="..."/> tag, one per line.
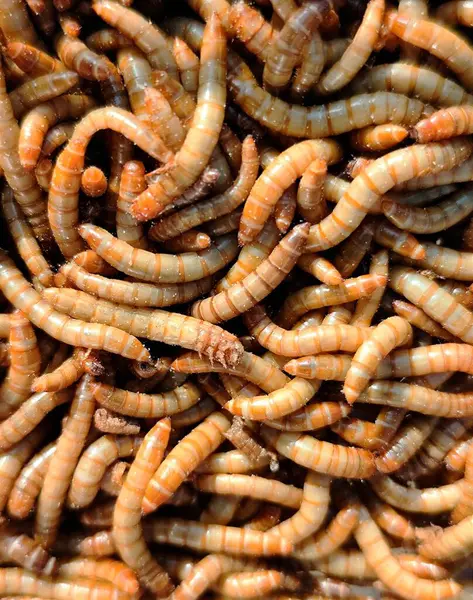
<point x="41" y="314"/>
<point x="312" y="511"/>
<point x="298" y="342"/>
<point x="389" y="334"/>
<point x="388" y="569"/>
<point x="179" y="463"/>
<point x="127" y="532"/>
<point x="244" y="294"/>
<point x="427" y="500"/>
<point x="357" y="53"/>
<point x="160" y="268"/>
<point x="157" y="325"/>
<point x="274" y="181"/>
<point x="202" y="134"/>
<point x="320" y="456"/>
<point x="63" y="195"/>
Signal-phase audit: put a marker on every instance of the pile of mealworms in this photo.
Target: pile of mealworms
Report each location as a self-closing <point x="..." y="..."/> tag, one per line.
<point x="236" y="299"/>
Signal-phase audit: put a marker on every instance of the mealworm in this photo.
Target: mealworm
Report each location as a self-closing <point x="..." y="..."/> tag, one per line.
<point x="136" y="72"/>
<point x="243" y="295"/>
<point x="113" y="571"/>
<point x="24" y="552"/>
<point x="162" y="119"/>
<point x="106" y="40"/>
<point x="352" y="251"/>
<point x="439" y="41"/>
<point x="310" y="194"/>
<point x="195" y="414"/>
<point x="24" y="186"/>
<point x="70" y="24"/>
<point x="56" y="137"/>
<point x="367" y="307"/>
<point x="251" y="485"/>
<point x="443" y="124"/>
<point x="252" y="585"/>
<point x="434" y="450"/>
<point x="456" y="457"/>
<point x="27" y="486"/>
<point x="403" y="164"/>
<point x="388" y="235"/>
<point x="200" y="577"/>
<point x="132" y="182"/>
<point x="37" y="122"/>
<point x="159" y="268"/>
<point x="63" y="196"/>
<point x="322" y="457"/>
<point x="274" y="181"/>
<point x="233" y="461"/>
<point x="127" y="532"/>
<point x="32" y="60"/>
<point x="215" y="207"/>
<point x="406" y="443"/>
<point x="457" y="174"/>
<point x="327" y="541"/>
<point x="417" y="317"/>
<point x="12" y="461"/>
<point x="188" y="65"/>
<point x="311" y="512"/>
<point x="93" y="463"/>
<point x="285" y="51"/>
<point x="145" y="405"/>
<point x="216" y="538"/>
<point x="378" y="137"/>
<point x="41" y="89"/>
<point x="201" y="134"/>
<point x="371" y="436"/>
<point x="310" y="69"/>
<point x="27" y="246"/>
<point x="93" y="182"/>
<point x="77" y="57"/>
<point x="64" y="375"/>
<point x="251" y="256"/>
<point x="433" y="300"/>
<point x="419" y="399"/>
<point x="16" y="24"/>
<point x="20" y="581"/>
<point x="299" y="342"/>
<point x="428" y="500"/>
<point x="317" y="121"/>
<point x="249" y="26"/>
<point x="72" y="331"/>
<point x="63" y="463"/>
<point x="312" y="297"/>
<point x="277" y="404"/>
<point x="220" y="509"/>
<point x="146" y="35"/>
<point x="25" y="363"/>
<point x="357" y="53"/>
<point x="363" y="366"/>
<point x="190" y="241"/>
<point x="320" y="268"/>
<point x="135" y="294"/>
<point x="179" y="463"/>
<point x="44" y="173"/>
<point x="181" y="102"/>
<point x="392" y="522"/>
<point x="312" y="416"/>
<point x="390" y="572"/>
